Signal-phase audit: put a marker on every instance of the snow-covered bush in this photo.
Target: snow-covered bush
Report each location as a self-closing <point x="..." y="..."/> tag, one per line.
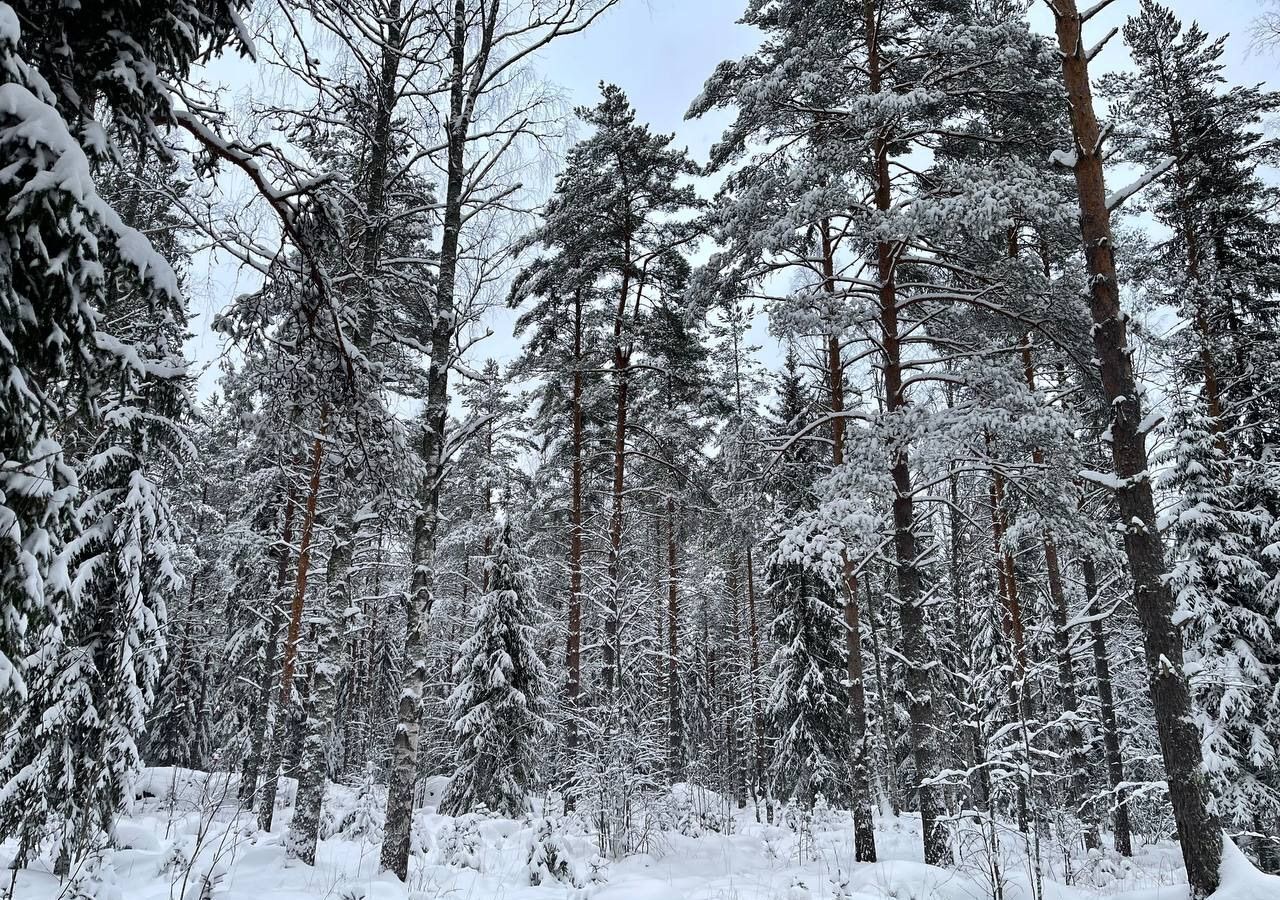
<point x="696" y="811"/>
<point x="840" y="886"/>
<point x="798" y="890"/>
<point x="458" y="843"/>
<point x="597" y="871"/>
<point x="211" y="883"/>
<point x="176" y="859"/>
<point x="548" y="857"/>
<point x="1105" y="869"/>
<point x="824" y="818"/>
<point x="357" y="812"/>
<point x="95" y="879"/>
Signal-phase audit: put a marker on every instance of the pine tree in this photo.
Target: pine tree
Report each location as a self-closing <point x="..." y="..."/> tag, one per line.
<point x="498" y="709"/>
<point x="868" y="270"/>
<point x="563" y="330"/>
<point x="617" y="192"/>
<point x="1199" y="830"/>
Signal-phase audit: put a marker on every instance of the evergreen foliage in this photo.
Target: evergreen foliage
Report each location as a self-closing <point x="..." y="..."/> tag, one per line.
<point x="498" y="709"/>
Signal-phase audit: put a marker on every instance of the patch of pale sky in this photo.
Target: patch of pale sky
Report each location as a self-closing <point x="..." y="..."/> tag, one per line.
<point x="661" y="52"/>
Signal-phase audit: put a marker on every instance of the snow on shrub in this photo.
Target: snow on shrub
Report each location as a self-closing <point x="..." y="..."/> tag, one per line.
<point x="458" y="843"/>
<point x="355" y="812"/>
<point x="95" y="879"/>
<point x="548" y="856"/>
<point x="696" y="811"/>
<point x="176" y="859"/>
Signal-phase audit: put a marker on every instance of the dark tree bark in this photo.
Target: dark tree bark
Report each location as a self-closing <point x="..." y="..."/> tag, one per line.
<point x="734" y="737"/>
<point x="1013" y="628"/>
<point x="260" y="715"/>
<point x="917" y="649"/>
<point x="757" y="709"/>
<point x="882" y="700"/>
<point x="573" y="645"/>
<point x="1078" y="784"/>
<point x="675" y="724"/>
<point x="621" y="369"/>
<point x="864" y="836"/>
<point x="404" y="744"/>
<point x="1199" y="831"/>
<point x="1107" y="706"/>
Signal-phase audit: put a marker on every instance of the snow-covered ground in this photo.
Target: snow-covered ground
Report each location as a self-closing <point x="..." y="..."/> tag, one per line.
<point x="187" y="839"/>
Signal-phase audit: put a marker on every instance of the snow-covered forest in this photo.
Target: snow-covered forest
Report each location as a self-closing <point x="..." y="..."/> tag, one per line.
<point x="882" y="504"/>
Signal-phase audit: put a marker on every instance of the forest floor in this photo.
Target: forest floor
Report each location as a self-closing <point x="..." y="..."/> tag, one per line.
<point x="187" y="839"/>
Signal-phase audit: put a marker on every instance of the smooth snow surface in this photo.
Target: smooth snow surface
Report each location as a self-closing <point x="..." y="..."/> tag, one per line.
<point x="186" y="838"/>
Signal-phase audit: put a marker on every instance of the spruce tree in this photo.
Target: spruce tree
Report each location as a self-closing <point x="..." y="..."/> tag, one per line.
<point x="89" y="414"/>
<point x="807" y="704"/>
<point x="1228" y="604"/>
<point x="1219" y="268"/>
<point x="498" y="710"/>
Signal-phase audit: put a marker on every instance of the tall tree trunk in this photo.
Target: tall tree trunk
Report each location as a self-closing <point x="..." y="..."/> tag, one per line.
<point x="375" y="199"/>
<point x="261" y="713"/>
<point x="864" y="836"/>
<point x="675" y="728"/>
<point x="621" y="365"/>
<point x="735" y="738"/>
<point x="402" y="784"/>
<point x="1014" y="631"/>
<point x="1107" y="707"/>
<point x="1199" y="830"/>
<point x="882" y="701"/>
<point x="284" y="705"/>
<point x="918" y="652"/>
<point x="753" y="683"/>
<point x="1077" y="782"/>
<point x="573" y="646"/>
<point x="305" y="829"/>
<point x="323" y="702"/>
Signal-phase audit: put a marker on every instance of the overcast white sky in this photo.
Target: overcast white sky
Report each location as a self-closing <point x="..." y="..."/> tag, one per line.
<point x="661" y="51"/>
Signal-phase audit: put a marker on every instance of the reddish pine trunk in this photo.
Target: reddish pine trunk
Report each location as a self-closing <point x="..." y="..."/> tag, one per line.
<point x="266" y="809"/>
<point x="1199" y="830"/>
<point x="1012" y="626"/>
<point x="621" y="364"/>
<point x="916" y="644"/>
